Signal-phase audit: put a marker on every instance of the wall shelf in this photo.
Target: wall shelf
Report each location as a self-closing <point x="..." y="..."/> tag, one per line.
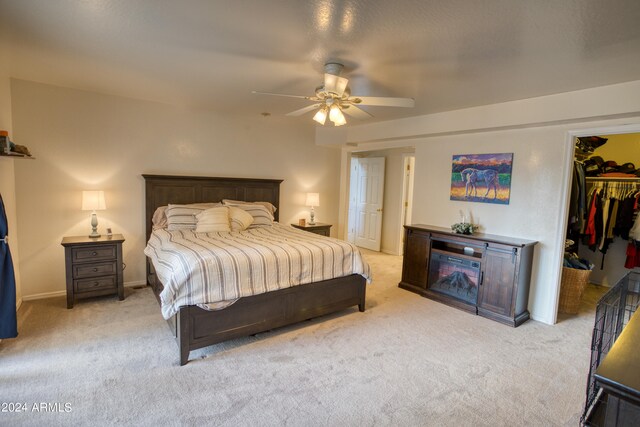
<point x="17" y="156"/>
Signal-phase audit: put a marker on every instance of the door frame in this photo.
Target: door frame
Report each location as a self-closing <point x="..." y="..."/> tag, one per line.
<point x="566" y="189"/>
<point x="407" y="189"/>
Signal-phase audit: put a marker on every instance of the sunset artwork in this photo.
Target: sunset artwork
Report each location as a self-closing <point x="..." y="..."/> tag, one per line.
<point x="482" y="178"/>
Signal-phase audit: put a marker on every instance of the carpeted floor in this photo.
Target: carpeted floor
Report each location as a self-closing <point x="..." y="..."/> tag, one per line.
<point x="405" y="361"/>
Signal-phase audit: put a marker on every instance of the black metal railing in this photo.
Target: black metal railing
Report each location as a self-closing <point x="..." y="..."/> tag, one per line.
<point x="613" y="312"/>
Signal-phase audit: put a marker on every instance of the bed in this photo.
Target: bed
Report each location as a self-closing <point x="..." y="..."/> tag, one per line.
<point x="195" y="327"/>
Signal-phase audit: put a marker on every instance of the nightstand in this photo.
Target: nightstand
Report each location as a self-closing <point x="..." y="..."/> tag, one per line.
<point x="94" y="266"/>
<point x="317" y="228"/>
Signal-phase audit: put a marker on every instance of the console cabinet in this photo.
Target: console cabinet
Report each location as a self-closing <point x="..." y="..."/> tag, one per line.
<point x="496" y="271"/>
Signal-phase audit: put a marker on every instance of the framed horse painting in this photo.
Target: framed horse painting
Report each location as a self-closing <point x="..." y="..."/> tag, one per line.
<point x="482" y="178"/>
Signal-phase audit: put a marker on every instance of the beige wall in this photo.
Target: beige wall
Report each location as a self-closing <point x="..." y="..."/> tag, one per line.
<point x="7" y="168"/>
<point x="85" y="140"/>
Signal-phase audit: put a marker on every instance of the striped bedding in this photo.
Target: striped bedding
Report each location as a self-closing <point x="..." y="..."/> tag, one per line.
<point x="218" y="267"/>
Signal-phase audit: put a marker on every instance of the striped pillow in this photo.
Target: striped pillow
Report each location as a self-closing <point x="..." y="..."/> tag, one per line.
<point x="183" y="217"/>
<point x="239" y="219"/>
<point x="269" y="206"/>
<point x="214" y="219"/>
<point x="261" y="215"/>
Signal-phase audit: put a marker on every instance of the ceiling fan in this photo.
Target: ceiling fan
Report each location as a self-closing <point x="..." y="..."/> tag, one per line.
<point x="334" y="97"/>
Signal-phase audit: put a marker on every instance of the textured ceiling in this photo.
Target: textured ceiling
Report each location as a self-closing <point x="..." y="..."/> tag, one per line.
<point x="447" y="54"/>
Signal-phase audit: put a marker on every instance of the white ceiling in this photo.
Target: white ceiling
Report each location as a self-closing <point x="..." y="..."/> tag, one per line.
<point x="447" y="54"/>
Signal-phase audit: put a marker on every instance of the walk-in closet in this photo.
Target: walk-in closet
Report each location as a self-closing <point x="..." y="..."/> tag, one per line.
<point x="603" y="225"/>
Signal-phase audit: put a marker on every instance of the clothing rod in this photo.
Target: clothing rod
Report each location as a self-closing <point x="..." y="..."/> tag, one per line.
<point x="611" y="179"/>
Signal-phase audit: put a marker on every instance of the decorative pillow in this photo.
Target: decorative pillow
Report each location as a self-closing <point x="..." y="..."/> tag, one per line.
<point x="267" y="205"/>
<point x="261" y="215"/>
<point x="159" y="219"/>
<point x="183" y="217"/>
<point x="214" y="219"/>
<point x="239" y="219"/>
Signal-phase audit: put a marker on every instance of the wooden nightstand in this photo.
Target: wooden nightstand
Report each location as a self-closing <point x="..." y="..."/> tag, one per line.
<point x="317" y="228"/>
<point x="94" y="266"/>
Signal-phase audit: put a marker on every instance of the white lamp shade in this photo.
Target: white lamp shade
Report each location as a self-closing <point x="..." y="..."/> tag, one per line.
<point x="321" y="116"/>
<point x="313" y="199"/>
<point x="93" y="200"/>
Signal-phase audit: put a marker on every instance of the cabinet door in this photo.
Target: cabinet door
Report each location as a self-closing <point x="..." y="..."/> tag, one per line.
<point x="416" y="258"/>
<point x="499" y="270"/>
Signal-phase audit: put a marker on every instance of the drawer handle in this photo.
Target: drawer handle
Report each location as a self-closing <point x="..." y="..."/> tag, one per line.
<point x="95" y="284"/>
<point x="95" y="269"/>
<point x="94" y="253"/>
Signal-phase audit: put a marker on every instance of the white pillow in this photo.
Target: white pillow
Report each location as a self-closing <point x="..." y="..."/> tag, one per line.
<point x="214" y="219"/>
<point x="181" y="217"/>
<point x="239" y="219"/>
<point x="159" y="219"/>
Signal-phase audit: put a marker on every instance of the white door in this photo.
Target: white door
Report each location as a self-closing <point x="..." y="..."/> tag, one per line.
<point x="369" y="202"/>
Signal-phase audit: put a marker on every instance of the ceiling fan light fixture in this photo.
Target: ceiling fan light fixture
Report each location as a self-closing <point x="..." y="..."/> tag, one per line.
<point x="321" y="116"/>
<point x="336" y="116"/>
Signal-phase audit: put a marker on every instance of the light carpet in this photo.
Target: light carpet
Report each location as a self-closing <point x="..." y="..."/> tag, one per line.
<point x="405" y="361"/>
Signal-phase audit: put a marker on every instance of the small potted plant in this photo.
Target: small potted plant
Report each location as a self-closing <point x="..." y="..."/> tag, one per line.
<point x="464" y="227"/>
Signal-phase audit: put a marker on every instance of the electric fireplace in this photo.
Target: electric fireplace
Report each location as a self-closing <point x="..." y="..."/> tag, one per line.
<point x="454" y="276"/>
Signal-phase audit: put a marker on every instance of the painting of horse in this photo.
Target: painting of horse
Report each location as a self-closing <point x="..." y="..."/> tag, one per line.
<point x="482" y="178"/>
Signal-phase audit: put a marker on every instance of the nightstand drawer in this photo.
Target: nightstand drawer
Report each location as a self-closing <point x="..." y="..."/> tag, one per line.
<point x="84" y="285"/>
<point x="94" y="270"/>
<point x="93" y="253"/>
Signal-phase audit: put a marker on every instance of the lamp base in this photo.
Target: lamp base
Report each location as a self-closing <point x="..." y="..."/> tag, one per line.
<point x="94" y="226"/>
<point x="312" y="220"/>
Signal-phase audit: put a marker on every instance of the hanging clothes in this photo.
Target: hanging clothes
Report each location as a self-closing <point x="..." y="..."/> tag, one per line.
<point x="8" y="321"/>
<point x="624" y="221"/>
<point x="611" y="212"/>
<point x="590" y="230"/>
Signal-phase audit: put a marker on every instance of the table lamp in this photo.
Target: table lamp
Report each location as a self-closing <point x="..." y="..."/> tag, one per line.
<point x="313" y="199"/>
<point x="93" y="200"/>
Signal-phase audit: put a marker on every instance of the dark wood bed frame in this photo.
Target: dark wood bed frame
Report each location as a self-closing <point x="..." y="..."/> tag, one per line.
<point x="194" y="327"/>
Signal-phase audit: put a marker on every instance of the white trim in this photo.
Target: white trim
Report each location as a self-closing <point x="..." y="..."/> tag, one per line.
<point x="406" y="160"/>
<point x="44" y="295"/>
<point x="566" y="192"/>
<point x="343" y="203"/>
<point x="53" y="294"/>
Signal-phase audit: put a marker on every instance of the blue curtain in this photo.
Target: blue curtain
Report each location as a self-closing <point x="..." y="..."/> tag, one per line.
<point x="8" y="322"/>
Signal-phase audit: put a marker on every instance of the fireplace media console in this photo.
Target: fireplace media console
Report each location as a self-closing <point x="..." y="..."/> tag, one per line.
<point x="484" y="274"/>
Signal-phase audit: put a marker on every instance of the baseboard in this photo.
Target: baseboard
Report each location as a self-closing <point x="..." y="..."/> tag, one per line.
<point x="18" y="304"/>
<point x="132" y="284"/>
<point x="389" y="252"/>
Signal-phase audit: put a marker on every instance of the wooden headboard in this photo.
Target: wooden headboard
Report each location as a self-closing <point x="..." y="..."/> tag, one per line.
<point x="160" y="190"/>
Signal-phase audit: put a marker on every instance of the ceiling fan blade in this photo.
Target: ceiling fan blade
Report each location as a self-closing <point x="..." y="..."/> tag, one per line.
<point x="281" y="94"/>
<point x="335" y="84"/>
<point x="356" y="112"/>
<point x="303" y="110"/>
<point x="381" y="101"/>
